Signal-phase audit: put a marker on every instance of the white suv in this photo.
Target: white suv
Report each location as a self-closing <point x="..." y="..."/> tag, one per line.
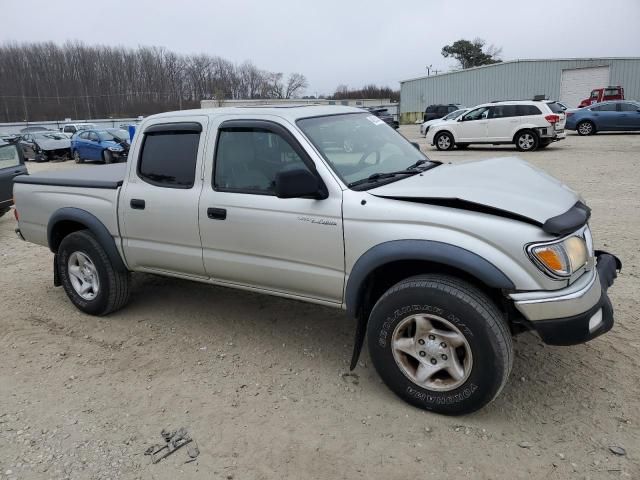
<point x="527" y="124"/>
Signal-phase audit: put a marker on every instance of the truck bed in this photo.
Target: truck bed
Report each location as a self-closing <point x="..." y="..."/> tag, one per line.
<point x="98" y="176"/>
<point x="94" y="189"/>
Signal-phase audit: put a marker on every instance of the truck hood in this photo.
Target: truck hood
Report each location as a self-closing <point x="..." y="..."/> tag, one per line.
<point x="502" y="186"/>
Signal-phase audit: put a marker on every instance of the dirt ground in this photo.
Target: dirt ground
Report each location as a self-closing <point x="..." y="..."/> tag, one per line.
<point x="260" y="382"/>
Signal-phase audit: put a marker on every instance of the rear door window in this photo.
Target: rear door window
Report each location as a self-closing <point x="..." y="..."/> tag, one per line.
<point x="169" y="158"/>
<point x="443" y="110"/>
<point x="605" y="107"/>
<point x="503" y="111"/>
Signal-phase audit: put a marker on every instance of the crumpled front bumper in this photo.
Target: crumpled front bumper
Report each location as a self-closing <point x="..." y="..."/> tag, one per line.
<point x="577" y="313"/>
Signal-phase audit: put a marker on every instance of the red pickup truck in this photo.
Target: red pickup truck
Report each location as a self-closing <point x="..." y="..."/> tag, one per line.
<point x="603" y="94"/>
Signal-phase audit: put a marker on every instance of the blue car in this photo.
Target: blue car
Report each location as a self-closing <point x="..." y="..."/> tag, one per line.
<point x="100" y="145"/>
<point x="615" y="115"/>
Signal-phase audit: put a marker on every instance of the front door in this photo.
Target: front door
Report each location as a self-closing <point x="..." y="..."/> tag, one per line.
<point x="252" y="238"/>
<point x="473" y="126"/>
<point x="11" y="165"/>
<point x="159" y="203"/>
<point x="629" y="116"/>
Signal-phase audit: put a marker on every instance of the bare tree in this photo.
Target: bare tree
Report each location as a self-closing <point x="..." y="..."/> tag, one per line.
<point x="296" y="85"/>
<point x="45" y="81"/>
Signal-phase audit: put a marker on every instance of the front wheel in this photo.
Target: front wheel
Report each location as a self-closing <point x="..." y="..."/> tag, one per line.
<point x="527" y="141"/>
<point x="440" y="344"/>
<point x="89" y="279"/>
<point x="444" y="141"/>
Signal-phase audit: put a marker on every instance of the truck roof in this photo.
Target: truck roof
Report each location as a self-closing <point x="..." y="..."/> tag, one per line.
<point x="289" y="112"/>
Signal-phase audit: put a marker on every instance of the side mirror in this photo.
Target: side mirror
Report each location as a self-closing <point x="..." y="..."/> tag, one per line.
<point x="415" y="144"/>
<point x="461" y="119"/>
<point x="299" y="183"/>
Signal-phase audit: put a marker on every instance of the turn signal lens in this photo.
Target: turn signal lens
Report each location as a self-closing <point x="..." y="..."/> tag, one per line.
<point x="562" y="258"/>
<point x="553" y="257"/>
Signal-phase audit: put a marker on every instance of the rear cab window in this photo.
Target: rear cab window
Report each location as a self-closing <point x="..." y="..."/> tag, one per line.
<point x="169" y="155"/>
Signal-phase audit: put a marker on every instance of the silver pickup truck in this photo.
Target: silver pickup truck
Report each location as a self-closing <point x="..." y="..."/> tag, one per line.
<point x="438" y="264"/>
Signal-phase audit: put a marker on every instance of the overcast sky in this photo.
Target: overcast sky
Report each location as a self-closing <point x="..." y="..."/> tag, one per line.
<point x="336" y="41"/>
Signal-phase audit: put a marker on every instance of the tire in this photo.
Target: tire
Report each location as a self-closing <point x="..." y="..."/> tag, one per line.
<point x="469" y="316"/>
<point x="462" y="146"/>
<point x="107" y="156"/>
<point x="76" y="157"/>
<point x="586" y="128"/>
<point x="527" y="140"/>
<point x="444" y="141"/>
<point x="110" y="286"/>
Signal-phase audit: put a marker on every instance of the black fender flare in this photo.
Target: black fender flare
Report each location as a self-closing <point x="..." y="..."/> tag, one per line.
<point x="425" y="250"/>
<point x="92" y="224"/>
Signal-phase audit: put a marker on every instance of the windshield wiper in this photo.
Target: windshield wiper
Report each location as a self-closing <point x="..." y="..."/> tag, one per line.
<point x="410" y="170"/>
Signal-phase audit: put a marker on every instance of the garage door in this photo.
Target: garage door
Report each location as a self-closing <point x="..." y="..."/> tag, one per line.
<point x="576" y="84"/>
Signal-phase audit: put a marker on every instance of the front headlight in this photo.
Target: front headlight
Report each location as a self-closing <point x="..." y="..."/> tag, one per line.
<point x="562" y="258"/>
<point x="115" y="149"/>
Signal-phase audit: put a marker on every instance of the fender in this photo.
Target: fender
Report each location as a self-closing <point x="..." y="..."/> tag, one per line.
<point x="428" y="250"/>
<point x="94" y="225"/>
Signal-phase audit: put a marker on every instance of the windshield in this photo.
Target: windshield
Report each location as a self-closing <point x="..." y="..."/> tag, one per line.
<point x="360" y="145"/>
<point x="104" y="135"/>
<point x="454" y="115"/>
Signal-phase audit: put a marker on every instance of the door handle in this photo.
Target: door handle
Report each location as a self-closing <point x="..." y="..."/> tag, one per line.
<point x="217" y="213"/>
<point x="137" y="204"/>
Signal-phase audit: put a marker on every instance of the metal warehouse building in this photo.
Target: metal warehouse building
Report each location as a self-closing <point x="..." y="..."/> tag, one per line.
<point x="566" y="79"/>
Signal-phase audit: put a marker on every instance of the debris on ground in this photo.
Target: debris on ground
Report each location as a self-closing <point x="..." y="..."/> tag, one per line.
<point x="174" y="440"/>
<point x="617" y="450"/>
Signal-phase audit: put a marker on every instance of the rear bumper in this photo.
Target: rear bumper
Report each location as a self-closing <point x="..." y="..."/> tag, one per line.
<point x="578" y="313"/>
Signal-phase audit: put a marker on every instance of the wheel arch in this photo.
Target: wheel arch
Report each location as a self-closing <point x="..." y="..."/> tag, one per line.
<point x="520" y="129"/>
<point x="388" y="263"/>
<point x="70" y="219"/>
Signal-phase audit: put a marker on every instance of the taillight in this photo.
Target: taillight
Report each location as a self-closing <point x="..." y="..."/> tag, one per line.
<point x="552" y="118"/>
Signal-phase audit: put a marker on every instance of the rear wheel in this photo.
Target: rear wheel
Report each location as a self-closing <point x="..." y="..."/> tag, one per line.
<point x="527" y="141"/>
<point x="89" y="279"/>
<point x="586" y="128"/>
<point x="444" y="141"/>
<point x="76" y="157"/>
<point x="440" y="344"/>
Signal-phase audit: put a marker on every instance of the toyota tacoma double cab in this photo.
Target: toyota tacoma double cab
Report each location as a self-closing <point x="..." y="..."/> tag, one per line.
<point x="438" y="264"/>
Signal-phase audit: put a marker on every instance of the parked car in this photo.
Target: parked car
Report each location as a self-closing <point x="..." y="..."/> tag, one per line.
<point x="527" y="124"/>
<point x="612" y="116"/>
<point x="98" y="145"/>
<point x="11" y="165"/>
<point x="434" y="112"/>
<point x="438" y="263"/>
<point x="71" y="128"/>
<point x="602" y="95"/>
<point x="45" y="146"/>
<point x="120" y="135"/>
<point x="384" y="115"/>
<point x="35" y="129"/>
<point x="424" y="127"/>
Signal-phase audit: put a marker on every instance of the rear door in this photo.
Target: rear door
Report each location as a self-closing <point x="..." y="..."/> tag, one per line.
<point x="502" y="120"/>
<point x="11" y="165"/>
<point x="159" y="202"/>
<point x="606" y="116"/>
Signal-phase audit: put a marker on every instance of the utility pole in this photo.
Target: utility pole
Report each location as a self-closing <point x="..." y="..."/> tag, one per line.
<point x="429" y="70"/>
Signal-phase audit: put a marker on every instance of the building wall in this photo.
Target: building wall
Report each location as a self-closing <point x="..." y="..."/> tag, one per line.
<point x="518" y="79"/>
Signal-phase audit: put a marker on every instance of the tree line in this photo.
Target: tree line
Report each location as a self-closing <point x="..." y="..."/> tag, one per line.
<point x="46" y="81"/>
<point x="343" y="92"/>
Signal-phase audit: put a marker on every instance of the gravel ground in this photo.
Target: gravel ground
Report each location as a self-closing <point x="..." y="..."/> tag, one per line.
<point x="261" y="383"/>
